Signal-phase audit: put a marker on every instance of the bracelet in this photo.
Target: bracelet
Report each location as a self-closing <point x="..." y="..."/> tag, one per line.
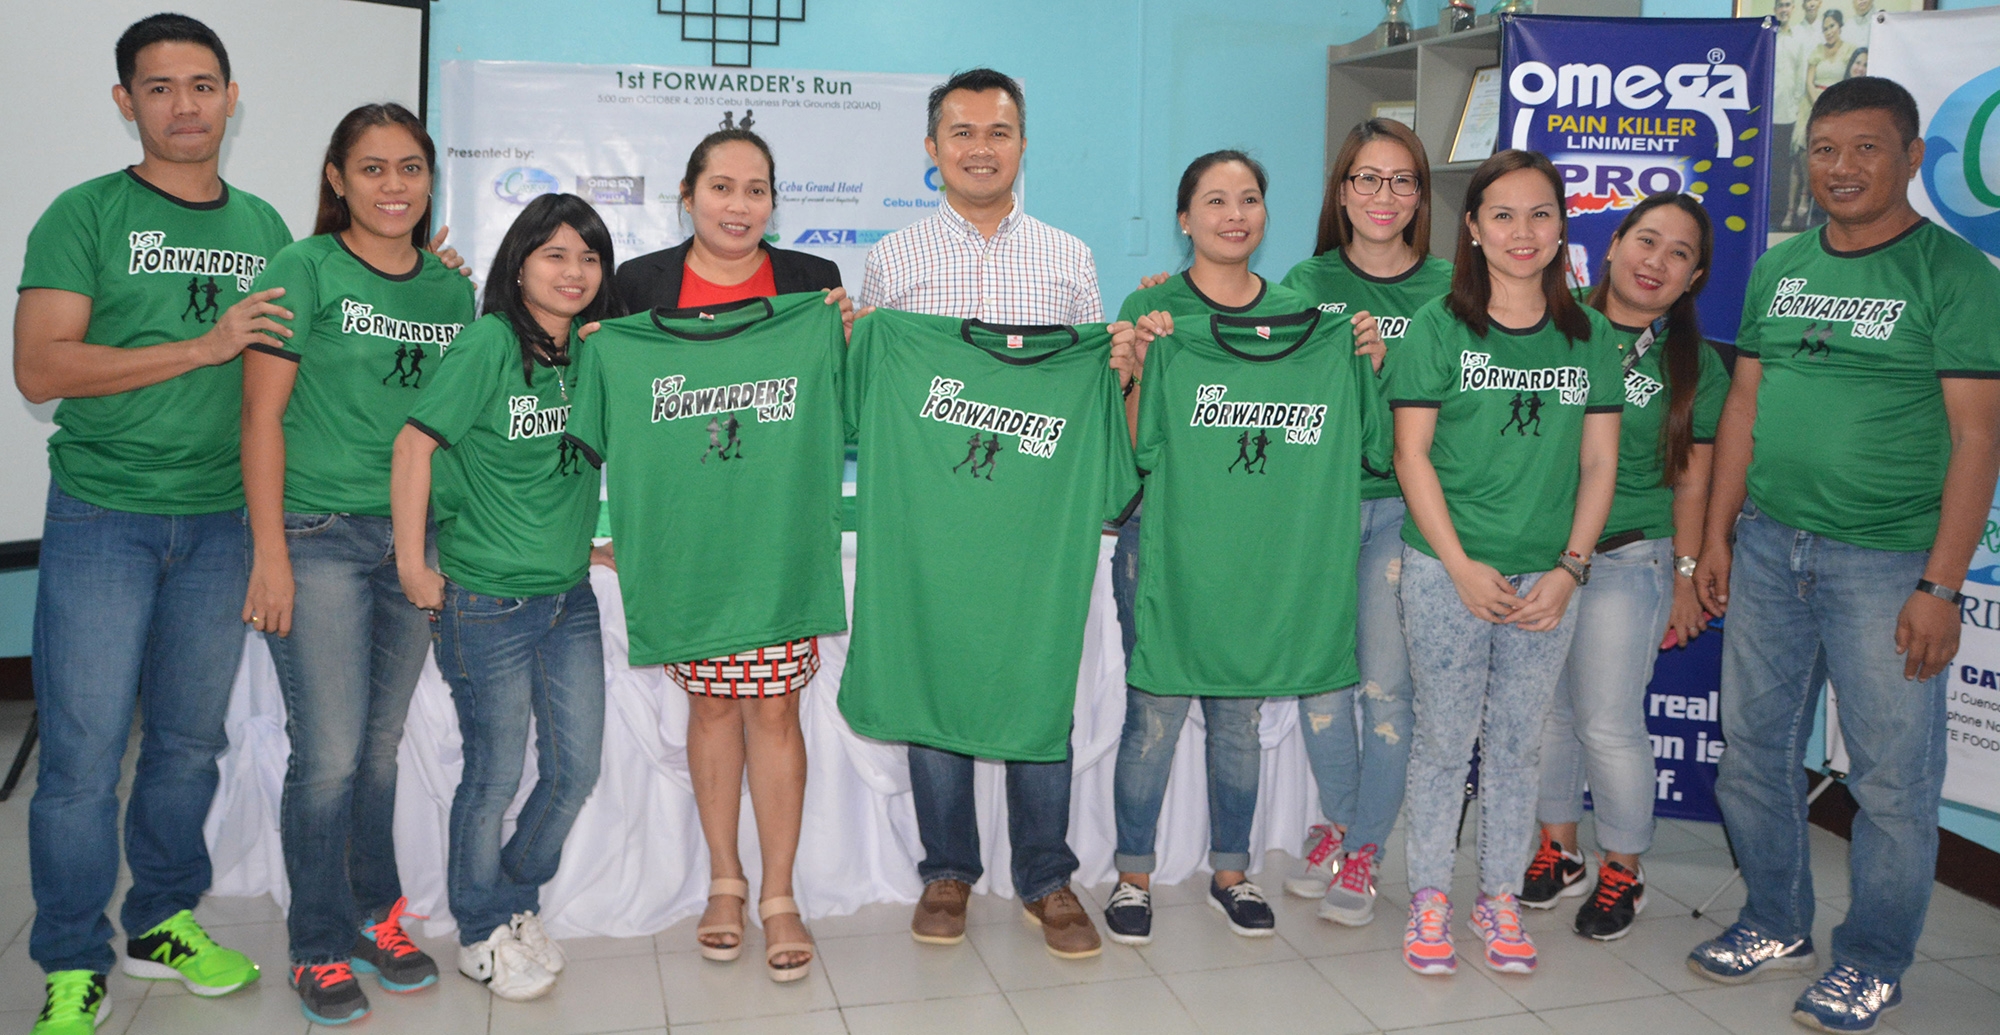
<point x="1575" y="567"/>
<point x="1130" y="387"/>
<point x="1945" y="593"/>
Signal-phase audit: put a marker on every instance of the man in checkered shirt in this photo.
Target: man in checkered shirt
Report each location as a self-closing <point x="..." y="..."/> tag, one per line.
<point x="980" y="257"/>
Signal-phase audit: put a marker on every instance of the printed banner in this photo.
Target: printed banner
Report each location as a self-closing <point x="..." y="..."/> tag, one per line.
<point x="848" y="148"/>
<point x="1948" y="61"/>
<point x="1684" y="723"/>
<point x="1692" y="114"/>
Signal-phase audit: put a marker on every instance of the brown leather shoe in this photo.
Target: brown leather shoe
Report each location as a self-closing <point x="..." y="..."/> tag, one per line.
<point x="1065" y="924"/>
<point x="940" y="915"/>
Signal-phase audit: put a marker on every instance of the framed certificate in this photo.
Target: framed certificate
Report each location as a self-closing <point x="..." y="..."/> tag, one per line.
<point x="1404" y="112"/>
<point x="1479" y="123"/>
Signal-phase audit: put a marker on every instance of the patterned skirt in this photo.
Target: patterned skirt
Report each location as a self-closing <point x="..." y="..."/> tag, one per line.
<point x="765" y="672"/>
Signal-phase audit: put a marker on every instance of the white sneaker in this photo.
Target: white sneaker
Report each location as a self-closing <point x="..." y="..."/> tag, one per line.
<point x="528" y="931"/>
<point x="505" y="967"/>
<point x="1322" y="856"/>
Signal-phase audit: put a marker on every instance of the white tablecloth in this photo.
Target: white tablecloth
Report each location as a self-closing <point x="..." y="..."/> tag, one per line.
<point x="635" y="863"/>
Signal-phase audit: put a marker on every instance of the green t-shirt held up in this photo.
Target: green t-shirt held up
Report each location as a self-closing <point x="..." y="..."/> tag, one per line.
<point x="514" y="501"/>
<point x="365" y="342"/>
<point x="156" y="269"/>
<point x="1333" y="284"/>
<point x="1851" y="440"/>
<point x="1509" y="437"/>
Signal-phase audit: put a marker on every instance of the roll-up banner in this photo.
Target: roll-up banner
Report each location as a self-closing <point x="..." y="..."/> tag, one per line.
<point x="1627" y="107"/>
<point x="848" y="147"/>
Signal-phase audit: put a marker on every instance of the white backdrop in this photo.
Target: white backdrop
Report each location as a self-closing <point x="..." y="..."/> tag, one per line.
<point x="635" y="862"/>
<point x="302" y="64"/>
<point x="848" y="147"/>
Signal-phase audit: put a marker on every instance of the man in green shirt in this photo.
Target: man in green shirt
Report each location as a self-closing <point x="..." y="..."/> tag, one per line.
<point x="135" y="303"/>
<point x="1861" y="427"/>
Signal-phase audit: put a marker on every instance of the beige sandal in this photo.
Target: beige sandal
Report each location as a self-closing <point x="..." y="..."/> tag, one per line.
<point x="769" y="908"/>
<point x="729" y="887"/>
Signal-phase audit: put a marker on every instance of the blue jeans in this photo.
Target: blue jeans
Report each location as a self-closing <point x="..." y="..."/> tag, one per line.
<point x="1803" y="608"/>
<point x="347" y="672"/>
<point x="1125" y="581"/>
<point x="1360" y="777"/>
<point x="1235" y="757"/>
<point x="507" y="660"/>
<point x="128" y="604"/>
<point x="948" y="821"/>
<point x="1597" y="721"/>
<point x="1475" y="681"/>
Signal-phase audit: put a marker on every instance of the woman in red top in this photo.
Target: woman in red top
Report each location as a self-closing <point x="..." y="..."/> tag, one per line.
<point x="743" y="708"/>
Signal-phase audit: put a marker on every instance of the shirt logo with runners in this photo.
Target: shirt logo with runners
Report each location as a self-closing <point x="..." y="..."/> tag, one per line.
<point x="526" y="418"/>
<point x="1640" y="389"/>
<point x="152" y="254"/>
<point x="774" y="399"/>
<point x="1301" y="423"/>
<point x="410" y="337"/>
<point x="1038" y="433"/>
<point x="1478" y="374"/>
<point x="1873" y="319"/>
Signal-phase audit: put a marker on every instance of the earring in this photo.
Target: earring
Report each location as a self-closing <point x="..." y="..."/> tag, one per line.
<point x="1184" y="232"/>
<point x="1475" y="242"/>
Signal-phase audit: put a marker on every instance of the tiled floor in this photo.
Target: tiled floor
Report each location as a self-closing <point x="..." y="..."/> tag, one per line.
<point x="871" y="979"/>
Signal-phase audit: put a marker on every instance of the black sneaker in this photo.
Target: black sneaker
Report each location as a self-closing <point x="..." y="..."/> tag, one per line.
<point x="1555" y="873"/>
<point x="1129" y="917"/>
<point x="328" y="993"/>
<point x="1620" y="898"/>
<point x="386" y="952"/>
<point x="1249" y="915"/>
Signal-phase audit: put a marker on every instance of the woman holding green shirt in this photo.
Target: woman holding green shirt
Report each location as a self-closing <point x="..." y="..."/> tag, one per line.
<point x="1507" y="395"/>
<point x="1371" y="263"/>
<point x="321" y="408"/>
<point x="513" y="613"/>
<point x="1642" y="585"/>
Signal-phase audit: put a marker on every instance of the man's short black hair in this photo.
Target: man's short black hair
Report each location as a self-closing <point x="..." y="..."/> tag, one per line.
<point x="165" y="28"/>
<point x="1869" y="93"/>
<point x="978" y="80"/>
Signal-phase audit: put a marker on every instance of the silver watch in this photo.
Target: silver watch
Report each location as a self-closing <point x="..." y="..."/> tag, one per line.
<point x="1684" y="566"/>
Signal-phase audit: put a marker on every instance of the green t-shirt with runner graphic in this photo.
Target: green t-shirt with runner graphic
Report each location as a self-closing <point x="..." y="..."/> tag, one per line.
<point x="719" y="430"/>
<point x="1332" y="283"/>
<point x="514" y="501"/>
<point x="365" y="342"/>
<point x="989" y="458"/>
<point x="1244" y="420"/>
<point x="1851" y="440"/>
<point x="1509" y="428"/>
<point x="156" y="269"/>
<point x="1644" y="503"/>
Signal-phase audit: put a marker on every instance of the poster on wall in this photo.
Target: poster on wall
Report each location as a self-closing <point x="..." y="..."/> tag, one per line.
<point x="1682" y="111"/>
<point x="848" y="147"/>
<point x="1947" y="61"/>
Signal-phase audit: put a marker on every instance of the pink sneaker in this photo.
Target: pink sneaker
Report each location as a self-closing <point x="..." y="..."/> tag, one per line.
<point x="1427" y="940"/>
<point x="1322" y="858"/>
<point x="1497" y="918"/>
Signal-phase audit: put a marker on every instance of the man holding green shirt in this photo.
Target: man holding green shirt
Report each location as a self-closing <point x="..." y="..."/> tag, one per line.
<point x="134" y="306"/>
<point x="1862" y="429"/>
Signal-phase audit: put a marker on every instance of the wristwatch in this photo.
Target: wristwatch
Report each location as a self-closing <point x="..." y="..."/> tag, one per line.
<point x="1945" y="593"/>
<point x="1684" y="566"/>
<point x="1575" y="566"/>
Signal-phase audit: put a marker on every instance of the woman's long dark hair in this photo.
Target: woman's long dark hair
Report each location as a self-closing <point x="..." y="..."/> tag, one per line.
<point x="1684" y="340"/>
<point x="1472" y="283"/>
<point x="1335" y="231"/>
<point x="333" y="216"/>
<point x="533" y="228"/>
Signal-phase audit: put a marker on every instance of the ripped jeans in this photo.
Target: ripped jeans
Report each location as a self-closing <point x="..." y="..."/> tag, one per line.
<point x="1146" y="758"/>
<point x="1360" y="778"/>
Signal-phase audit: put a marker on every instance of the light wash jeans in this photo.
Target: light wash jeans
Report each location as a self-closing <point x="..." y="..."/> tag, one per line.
<point x="1360" y="777"/>
<point x="1475" y="681"/>
<point x="1235" y="757"/>
<point x="127" y="604"/>
<point x="347" y="672"/>
<point x="509" y="659"/>
<point x="1597" y="722"/>
<point x="1802" y="608"/>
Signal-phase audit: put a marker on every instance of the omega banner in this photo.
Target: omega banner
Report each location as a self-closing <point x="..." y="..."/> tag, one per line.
<point x="1627" y="107"/>
<point x="848" y="149"/>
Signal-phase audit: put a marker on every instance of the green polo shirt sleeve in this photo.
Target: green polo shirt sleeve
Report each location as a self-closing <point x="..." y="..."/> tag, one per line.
<point x="62" y="248"/>
<point x="1966" y="338"/>
<point x="294" y="270"/>
<point x="466" y="382"/>
<point x="1423" y="372"/>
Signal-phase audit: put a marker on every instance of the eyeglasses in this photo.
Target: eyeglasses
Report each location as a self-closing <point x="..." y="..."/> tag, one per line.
<point x="1403" y="186"/>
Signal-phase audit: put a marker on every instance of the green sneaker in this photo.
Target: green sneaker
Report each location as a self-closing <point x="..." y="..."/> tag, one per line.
<point x="77" y="1004"/>
<point x="177" y="949"/>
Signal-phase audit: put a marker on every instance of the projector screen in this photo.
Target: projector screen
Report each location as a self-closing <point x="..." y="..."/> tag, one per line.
<point x="301" y="65"/>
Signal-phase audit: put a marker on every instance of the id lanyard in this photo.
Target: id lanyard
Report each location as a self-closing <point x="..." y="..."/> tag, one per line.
<point x="1645" y="342"/>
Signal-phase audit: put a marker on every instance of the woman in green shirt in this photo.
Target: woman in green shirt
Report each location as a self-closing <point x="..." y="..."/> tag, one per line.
<point x="1642" y="585"/>
<point x="374" y="312"/>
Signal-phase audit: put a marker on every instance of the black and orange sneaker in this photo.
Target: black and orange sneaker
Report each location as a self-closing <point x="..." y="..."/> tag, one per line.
<point x="328" y="993"/>
<point x="386" y="952"/>
<point x="1555" y="873"/>
<point x="1620" y="898"/>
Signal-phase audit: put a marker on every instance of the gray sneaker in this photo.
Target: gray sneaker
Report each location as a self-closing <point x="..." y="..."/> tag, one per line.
<point x="1350" y="900"/>
<point x="1322" y="856"/>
